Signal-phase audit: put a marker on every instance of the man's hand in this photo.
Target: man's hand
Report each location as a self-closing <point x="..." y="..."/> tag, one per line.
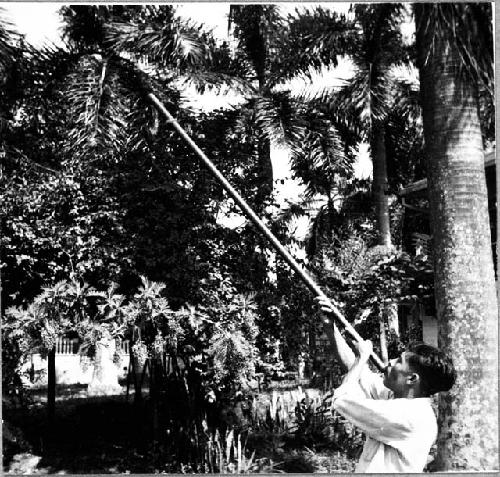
<point x="325" y="306"/>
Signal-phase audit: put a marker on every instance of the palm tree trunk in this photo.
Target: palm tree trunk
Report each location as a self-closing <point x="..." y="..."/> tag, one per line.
<point x="381" y="199"/>
<point x="266" y="181"/>
<point x="497" y="170"/>
<point x="380" y="184"/>
<point x="384" y="355"/>
<point x="51" y="384"/>
<point x="465" y="294"/>
<point x="265" y="185"/>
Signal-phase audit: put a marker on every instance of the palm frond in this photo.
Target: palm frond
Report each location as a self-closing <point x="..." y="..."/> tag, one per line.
<point x="175" y="44"/>
<point x="142" y="118"/>
<point x="361" y="102"/>
<point x="379" y="39"/>
<point x="468" y="27"/>
<point x="299" y="208"/>
<point x="222" y="69"/>
<point x="405" y="101"/>
<point x="181" y="48"/>
<point x="8" y="38"/>
<point x="84" y="25"/>
<point x="96" y="107"/>
<point x="404" y="136"/>
<point x="253" y="27"/>
<point x="222" y="83"/>
<point x="313" y="39"/>
<point x="276" y="116"/>
<point x="339" y="104"/>
<point x="320" y="159"/>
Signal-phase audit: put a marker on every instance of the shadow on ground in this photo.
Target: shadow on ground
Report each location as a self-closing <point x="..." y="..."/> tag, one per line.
<point x="89" y="435"/>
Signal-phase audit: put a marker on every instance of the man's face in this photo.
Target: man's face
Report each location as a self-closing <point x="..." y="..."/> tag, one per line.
<point x="397" y="374"/>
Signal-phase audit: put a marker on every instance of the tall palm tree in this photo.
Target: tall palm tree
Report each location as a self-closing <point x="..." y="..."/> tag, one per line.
<point x="456" y="56"/>
<point x="274" y="49"/>
<point x="376" y="48"/>
<point x="364" y="108"/>
<point x="105" y="88"/>
<point x="373" y="41"/>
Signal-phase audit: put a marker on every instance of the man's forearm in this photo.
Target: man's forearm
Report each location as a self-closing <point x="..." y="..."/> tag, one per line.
<point x="341" y="350"/>
<point x="358" y="366"/>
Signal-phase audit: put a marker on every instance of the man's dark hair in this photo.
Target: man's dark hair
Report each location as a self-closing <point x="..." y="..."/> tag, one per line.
<point x="433" y="366"/>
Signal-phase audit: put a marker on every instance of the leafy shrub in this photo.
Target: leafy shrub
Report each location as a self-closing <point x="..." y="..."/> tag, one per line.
<point x="320" y="426"/>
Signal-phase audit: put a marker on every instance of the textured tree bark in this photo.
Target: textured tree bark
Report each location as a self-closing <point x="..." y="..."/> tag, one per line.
<point x="465" y="293"/>
<point x="381" y="200"/>
<point x="51" y="384"/>
<point x="380" y="184"/>
<point x="383" y="341"/>
<point x="497" y="170"/>
<point x="266" y="182"/>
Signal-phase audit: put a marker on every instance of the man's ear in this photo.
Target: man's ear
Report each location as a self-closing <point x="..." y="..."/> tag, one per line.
<point x="413" y="379"/>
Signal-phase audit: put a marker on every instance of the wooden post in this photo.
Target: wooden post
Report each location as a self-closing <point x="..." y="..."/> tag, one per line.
<point x="51" y="384"/>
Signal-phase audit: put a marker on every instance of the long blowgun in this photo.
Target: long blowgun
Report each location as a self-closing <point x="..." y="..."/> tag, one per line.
<point x="309" y="282"/>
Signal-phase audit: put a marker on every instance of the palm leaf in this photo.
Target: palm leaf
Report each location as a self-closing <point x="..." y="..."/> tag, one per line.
<point x="467" y="27"/>
<point x="8" y="38"/>
<point x="174" y="44"/>
<point x="276" y="117"/>
<point x="255" y="28"/>
<point x="379" y="39"/>
<point x="319" y="159"/>
<point x="222" y="83"/>
<point x="313" y="39"/>
<point x="299" y="208"/>
<point x="406" y="100"/>
<point x="96" y="107"/>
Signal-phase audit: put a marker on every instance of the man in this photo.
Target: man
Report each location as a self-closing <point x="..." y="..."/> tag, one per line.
<point x="395" y="411"/>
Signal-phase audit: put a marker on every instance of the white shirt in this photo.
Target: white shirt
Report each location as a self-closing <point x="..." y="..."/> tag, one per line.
<point x="399" y="432"/>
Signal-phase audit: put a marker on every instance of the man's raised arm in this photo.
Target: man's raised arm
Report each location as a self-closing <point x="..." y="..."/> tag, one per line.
<point x="341" y="350"/>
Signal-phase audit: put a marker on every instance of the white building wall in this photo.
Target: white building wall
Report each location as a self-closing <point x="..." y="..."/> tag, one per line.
<point x="71" y="367"/>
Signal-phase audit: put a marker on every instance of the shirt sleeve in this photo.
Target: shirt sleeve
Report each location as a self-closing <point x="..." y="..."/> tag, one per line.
<point x="371" y="384"/>
<point x="384" y="420"/>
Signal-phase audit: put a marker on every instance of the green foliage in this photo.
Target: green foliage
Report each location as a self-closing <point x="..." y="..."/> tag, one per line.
<point x="57" y="226"/>
<point x="318" y="38"/>
<point x="158" y="36"/>
<point x="365" y="280"/>
<point x="469" y="28"/>
<point x="320" y="157"/>
<point x="58" y="310"/>
<point x="152" y="327"/>
<point x="68" y="307"/>
<point x="318" y="426"/>
<point x="223" y="452"/>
